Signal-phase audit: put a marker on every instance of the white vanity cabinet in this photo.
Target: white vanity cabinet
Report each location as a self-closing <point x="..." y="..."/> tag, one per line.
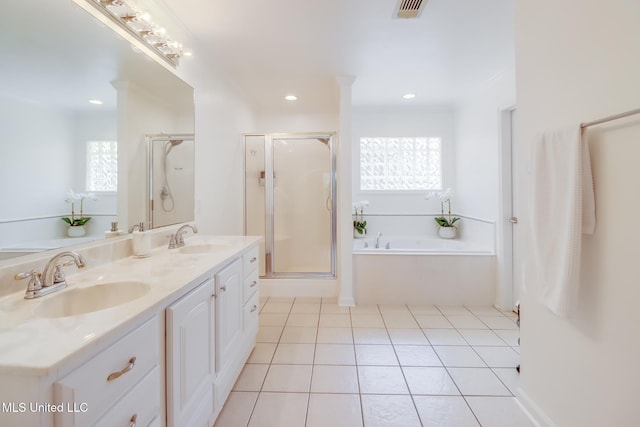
<point x="171" y="363"/>
<point x="191" y="358"/>
<point x="119" y="384"/>
<point x="208" y="341"/>
<point x="228" y="326"/>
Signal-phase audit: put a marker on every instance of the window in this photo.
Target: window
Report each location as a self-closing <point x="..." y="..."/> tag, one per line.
<point x="400" y="164"/>
<point x="102" y="166"/>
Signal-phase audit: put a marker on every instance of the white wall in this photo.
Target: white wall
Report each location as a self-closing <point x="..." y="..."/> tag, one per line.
<point x="403" y="121"/>
<point x="478" y="147"/>
<point x="478" y="165"/>
<point x="575" y="63"/>
<point x="222" y="117"/>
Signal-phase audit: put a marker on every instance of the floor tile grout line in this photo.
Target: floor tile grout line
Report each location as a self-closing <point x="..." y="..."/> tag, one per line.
<point x="404" y="376"/>
<point x="394" y="345"/>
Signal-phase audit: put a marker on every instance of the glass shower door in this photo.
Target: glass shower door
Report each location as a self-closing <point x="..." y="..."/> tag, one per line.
<point x="302" y="205"/>
<point x="289" y="199"/>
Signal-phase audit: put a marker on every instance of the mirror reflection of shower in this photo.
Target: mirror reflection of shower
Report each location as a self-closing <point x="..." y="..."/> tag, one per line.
<point x="168" y="202"/>
<point x="171" y="179"/>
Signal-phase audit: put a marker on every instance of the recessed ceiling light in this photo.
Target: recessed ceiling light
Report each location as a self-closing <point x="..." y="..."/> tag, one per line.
<point x="95" y="102"/>
<point x="409" y="95"/>
<point x="291" y="98"/>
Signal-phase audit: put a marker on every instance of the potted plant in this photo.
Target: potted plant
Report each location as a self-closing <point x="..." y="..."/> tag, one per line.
<point x="446" y="224"/>
<point x="76" y="223"/>
<point x="359" y="224"/>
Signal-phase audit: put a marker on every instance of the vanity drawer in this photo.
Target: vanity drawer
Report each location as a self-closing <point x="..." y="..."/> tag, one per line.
<point x="140" y="406"/>
<point x="250" y="260"/>
<point x="251" y="311"/>
<point x="250" y="286"/>
<point x="107" y="377"/>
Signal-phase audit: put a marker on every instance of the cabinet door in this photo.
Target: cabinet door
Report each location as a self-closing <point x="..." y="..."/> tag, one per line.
<point x="229" y="312"/>
<point x="190" y="356"/>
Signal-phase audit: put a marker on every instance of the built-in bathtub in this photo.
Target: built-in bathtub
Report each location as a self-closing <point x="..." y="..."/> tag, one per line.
<point x="416" y="270"/>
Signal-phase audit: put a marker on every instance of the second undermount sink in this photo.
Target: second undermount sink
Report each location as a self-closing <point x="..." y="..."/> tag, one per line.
<point x="205" y="248"/>
<point x="91" y="298"/>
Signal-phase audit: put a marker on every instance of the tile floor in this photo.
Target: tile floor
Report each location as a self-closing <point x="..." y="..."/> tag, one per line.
<point x="317" y="364"/>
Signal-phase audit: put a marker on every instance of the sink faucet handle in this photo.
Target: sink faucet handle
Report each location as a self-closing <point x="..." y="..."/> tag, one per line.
<point x="58" y="274"/>
<point x="34" y="280"/>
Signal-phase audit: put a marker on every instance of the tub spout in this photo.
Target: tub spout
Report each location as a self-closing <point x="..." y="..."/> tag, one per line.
<point x="377" y="245"/>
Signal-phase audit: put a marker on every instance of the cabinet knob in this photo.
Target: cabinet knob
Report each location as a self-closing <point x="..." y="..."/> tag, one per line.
<point x="253" y="284"/>
<point x="223" y="288"/>
<point x="252" y="260"/>
<point x="116" y="375"/>
<point x="132" y="421"/>
<point x="254" y="308"/>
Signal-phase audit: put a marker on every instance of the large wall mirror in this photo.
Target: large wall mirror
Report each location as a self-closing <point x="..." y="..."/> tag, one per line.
<point x="56" y="58"/>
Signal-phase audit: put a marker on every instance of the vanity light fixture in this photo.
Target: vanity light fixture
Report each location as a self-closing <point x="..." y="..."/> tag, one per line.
<point x="291" y="98"/>
<point x="140" y="25"/>
<point x="95" y="102"/>
<point x="409" y="95"/>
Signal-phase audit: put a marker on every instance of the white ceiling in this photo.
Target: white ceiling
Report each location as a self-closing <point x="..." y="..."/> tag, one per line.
<point x="276" y="47"/>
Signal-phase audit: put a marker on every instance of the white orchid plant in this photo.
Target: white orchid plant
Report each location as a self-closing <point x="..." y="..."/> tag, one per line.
<point x="446" y="220"/>
<point x="73" y="197"/>
<point x="359" y="224"/>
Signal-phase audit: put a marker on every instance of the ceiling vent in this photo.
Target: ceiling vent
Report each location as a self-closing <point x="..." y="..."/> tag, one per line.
<point x="410" y="8"/>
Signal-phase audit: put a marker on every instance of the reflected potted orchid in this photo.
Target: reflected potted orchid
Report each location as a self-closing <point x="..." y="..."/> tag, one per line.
<point x="359" y="224"/>
<point x="446" y="223"/>
<point x="77" y="222"/>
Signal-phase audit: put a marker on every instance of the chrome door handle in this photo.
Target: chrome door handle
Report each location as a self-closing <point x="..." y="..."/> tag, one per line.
<point x="513" y="220"/>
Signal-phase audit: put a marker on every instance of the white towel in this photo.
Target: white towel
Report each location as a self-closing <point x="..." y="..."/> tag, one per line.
<point x="562" y="208"/>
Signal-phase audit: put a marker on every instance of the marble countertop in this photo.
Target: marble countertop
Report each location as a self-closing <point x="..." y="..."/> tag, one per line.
<point x="34" y="345"/>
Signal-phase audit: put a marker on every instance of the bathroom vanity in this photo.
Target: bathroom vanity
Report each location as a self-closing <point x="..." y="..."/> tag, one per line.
<point x="139" y="341"/>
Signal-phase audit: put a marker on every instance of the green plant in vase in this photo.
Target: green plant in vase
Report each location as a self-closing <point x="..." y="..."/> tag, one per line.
<point x="446" y="221"/>
<point x="72" y="197"/>
<point x="359" y="224"/>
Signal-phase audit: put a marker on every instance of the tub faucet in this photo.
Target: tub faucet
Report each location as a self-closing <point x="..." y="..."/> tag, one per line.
<point x="177" y="240"/>
<point x="40" y="284"/>
<point x="377" y="245"/>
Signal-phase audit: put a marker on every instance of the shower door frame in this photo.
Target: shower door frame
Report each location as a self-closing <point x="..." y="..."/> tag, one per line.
<point x="269" y="246"/>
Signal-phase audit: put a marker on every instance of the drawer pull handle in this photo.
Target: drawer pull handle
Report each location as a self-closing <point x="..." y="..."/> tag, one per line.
<point x="254" y="308"/>
<point x="252" y="260"/>
<point x="132" y="421"/>
<point x="118" y="374"/>
<point x="253" y="284"/>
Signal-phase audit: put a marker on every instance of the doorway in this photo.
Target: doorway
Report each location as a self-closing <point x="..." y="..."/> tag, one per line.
<point x="289" y="195"/>
<point x="511" y="270"/>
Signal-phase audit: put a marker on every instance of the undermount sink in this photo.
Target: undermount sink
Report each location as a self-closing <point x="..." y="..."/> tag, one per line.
<point x="92" y="298"/>
<point x="204" y="248"/>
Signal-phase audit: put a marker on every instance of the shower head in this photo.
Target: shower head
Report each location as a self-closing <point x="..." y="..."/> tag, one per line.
<point x="168" y="146"/>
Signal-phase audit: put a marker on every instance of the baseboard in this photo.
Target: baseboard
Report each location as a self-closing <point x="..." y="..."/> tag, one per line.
<point x="346" y="302"/>
<point x="298" y="288"/>
<point x="532" y="410"/>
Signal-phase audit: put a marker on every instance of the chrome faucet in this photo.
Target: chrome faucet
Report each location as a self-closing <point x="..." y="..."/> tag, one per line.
<point x="377" y="245"/>
<point x="40" y="284"/>
<point x="177" y="240"/>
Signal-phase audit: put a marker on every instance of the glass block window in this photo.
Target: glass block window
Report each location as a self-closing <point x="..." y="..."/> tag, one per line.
<point x="401" y="163"/>
<point x="102" y="166"/>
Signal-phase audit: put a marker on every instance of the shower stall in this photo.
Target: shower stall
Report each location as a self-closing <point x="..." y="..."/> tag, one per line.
<point x="171" y="179"/>
<point x="290" y="191"/>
